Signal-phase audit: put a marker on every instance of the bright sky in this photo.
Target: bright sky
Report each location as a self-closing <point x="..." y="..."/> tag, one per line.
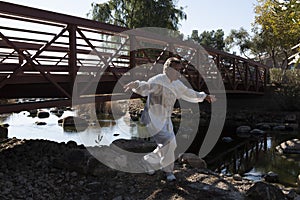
<point x="202" y="14"/>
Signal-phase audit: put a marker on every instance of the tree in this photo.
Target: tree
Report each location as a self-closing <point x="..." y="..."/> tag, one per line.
<point x="240" y="38"/>
<point x="139" y="13"/>
<point x="213" y="39"/>
<point x="277" y="24"/>
<point x="195" y="36"/>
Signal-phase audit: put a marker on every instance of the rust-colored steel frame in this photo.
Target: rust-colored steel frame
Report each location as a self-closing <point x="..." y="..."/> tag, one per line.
<point x="43" y="59"/>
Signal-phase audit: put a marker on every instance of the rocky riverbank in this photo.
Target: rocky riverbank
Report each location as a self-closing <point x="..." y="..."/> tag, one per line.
<point x="40" y="169"/>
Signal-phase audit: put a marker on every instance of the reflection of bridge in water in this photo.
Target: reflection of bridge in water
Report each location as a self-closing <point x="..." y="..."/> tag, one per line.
<point x="239" y="158"/>
<point x="41" y="53"/>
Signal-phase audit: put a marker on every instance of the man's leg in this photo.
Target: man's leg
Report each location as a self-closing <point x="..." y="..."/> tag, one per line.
<point x="152" y="161"/>
<point x="168" y="159"/>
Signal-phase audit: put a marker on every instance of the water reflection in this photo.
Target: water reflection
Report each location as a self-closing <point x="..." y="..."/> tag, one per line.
<point x="110" y="130"/>
<point x="252" y="160"/>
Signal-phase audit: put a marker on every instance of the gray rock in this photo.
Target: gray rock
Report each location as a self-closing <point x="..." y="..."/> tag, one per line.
<point x="71" y="144"/>
<point x="135" y="145"/>
<point x="73" y="124"/>
<point x="94" y="186"/>
<point x="118" y="198"/>
<point x="33" y="112"/>
<point x="40" y="123"/>
<point x="227" y="139"/>
<point x="264" y="191"/>
<point x="5" y="125"/>
<point x="257" y="132"/>
<point x="263" y="126"/>
<point x="289" y="147"/>
<point x="192" y="160"/>
<point x="74" y="174"/>
<point x="3" y="132"/>
<point x="243" y="131"/>
<point x="291" y="194"/>
<point x="271" y="177"/>
<point x="42" y="114"/>
<point x="237" y="177"/>
<point x="291" y="127"/>
<point x="279" y="128"/>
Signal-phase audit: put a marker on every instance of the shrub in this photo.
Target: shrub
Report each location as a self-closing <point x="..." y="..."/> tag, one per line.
<point x="287" y="90"/>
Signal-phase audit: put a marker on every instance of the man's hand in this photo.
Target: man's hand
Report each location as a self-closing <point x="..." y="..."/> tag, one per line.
<point x="210" y="98"/>
<point x="130" y="86"/>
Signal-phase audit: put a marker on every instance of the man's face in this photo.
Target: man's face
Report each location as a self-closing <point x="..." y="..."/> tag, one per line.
<point x="174" y="71"/>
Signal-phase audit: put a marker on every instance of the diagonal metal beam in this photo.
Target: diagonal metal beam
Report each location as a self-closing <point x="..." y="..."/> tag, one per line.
<point x="106" y="62"/>
<point x="31" y="63"/>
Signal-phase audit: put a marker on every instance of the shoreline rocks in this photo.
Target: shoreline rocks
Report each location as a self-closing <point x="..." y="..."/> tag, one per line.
<point x="41" y="169"/>
<point x="3" y="132"/>
<point x="289" y="147"/>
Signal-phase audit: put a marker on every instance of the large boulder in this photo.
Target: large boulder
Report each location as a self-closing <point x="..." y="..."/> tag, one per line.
<point x="73" y="124"/>
<point x="3" y="132"/>
<point x="289" y="147"/>
<point x="135" y="145"/>
<point x="43" y="114"/>
<point x="271" y="177"/>
<point x="243" y="131"/>
<point x="262" y="190"/>
<point x="192" y="160"/>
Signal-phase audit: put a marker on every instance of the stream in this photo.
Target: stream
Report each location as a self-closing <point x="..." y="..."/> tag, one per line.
<point x="23" y="126"/>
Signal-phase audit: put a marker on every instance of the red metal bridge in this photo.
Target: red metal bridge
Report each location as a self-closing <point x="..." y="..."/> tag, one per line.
<point x="46" y="55"/>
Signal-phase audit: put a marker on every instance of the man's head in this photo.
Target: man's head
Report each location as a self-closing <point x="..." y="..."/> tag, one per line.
<point x="173" y="68"/>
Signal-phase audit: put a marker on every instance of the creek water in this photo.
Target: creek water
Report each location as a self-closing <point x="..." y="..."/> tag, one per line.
<point x="260" y="159"/>
<point x="23" y="126"/>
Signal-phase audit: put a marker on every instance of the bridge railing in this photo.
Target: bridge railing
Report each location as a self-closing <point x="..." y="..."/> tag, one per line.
<point x="39" y="47"/>
<point x="240" y="75"/>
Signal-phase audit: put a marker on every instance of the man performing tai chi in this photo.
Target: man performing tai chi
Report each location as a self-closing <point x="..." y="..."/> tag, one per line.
<point x="163" y="90"/>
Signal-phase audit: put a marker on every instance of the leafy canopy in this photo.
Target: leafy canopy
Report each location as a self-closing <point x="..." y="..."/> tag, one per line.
<point x="213" y="39"/>
<point x="139" y="13"/>
<point x="277" y="22"/>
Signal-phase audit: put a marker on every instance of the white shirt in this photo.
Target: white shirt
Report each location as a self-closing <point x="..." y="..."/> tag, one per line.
<point x="163" y="94"/>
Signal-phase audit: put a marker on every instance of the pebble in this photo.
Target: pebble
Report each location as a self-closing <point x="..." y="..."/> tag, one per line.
<point x="237" y="177"/>
<point x="74" y="174"/>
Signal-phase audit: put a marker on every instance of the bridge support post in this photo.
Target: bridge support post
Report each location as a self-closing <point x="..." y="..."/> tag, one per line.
<point x="72" y="56"/>
<point x="247" y="81"/>
<point x="133" y="51"/>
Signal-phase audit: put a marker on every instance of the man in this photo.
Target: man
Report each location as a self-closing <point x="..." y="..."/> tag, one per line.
<point x="162" y="91"/>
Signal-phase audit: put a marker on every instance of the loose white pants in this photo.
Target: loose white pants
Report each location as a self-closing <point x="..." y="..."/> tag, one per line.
<point x="163" y="156"/>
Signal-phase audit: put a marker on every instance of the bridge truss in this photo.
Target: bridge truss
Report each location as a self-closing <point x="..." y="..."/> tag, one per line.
<point x="51" y="56"/>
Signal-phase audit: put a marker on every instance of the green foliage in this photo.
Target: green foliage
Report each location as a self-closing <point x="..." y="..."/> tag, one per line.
<point x="213" y="39"/>
<point x="139" y="13"/>
<point x="276" y="30"/>
<point x="288" y="77"/>
<point x="287" y="83"/>
<point x="277" y="24"/>
<point x="240" y="38"/>
<point x="276" y="76"/>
